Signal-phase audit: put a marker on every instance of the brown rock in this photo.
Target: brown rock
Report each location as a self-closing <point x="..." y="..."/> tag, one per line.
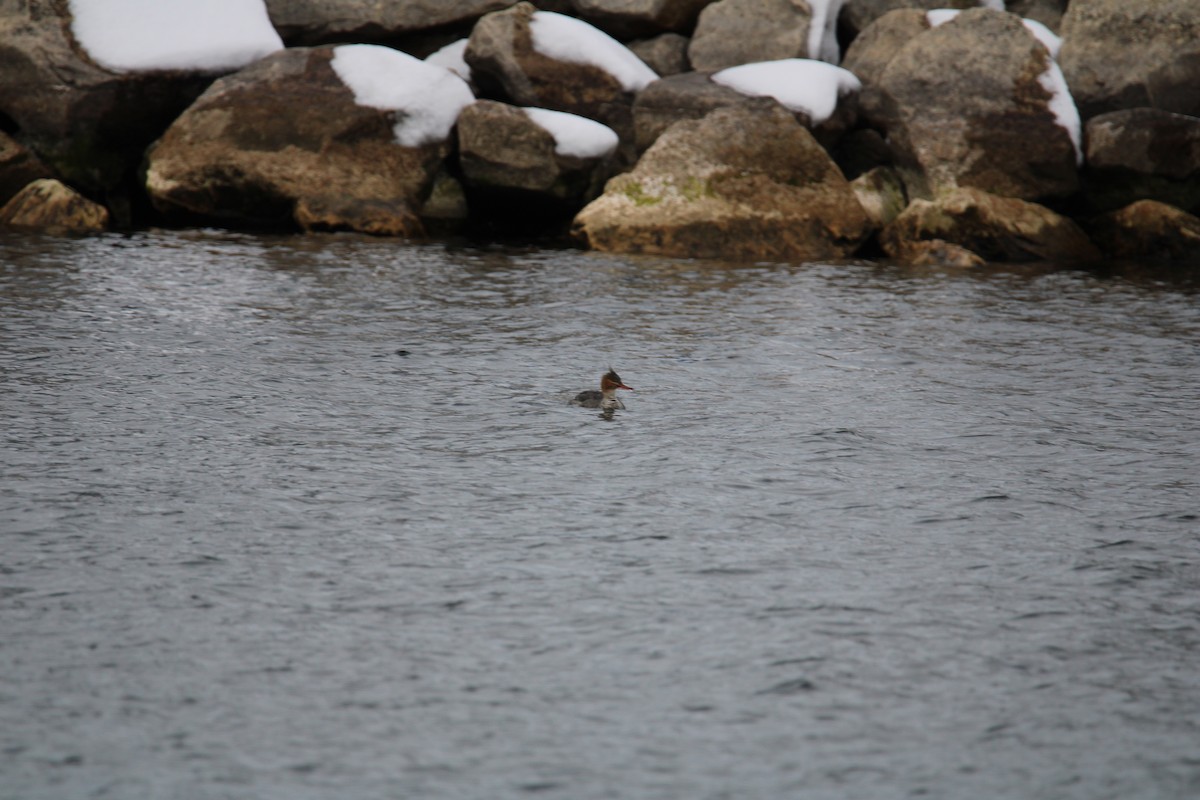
<point x="965" y="105"/>
<point x="747" y="184"/>
<point x="18" y="168"/>
<point x="506" y="66"/>
<point x="312" y="22"/>
<point x="90" y="125"/>
<point x="49" y="206"/>
<point x="1047" y="12"/>
<point x="858" y="15"/>
<point x="1119" y="54"/>
<point x="502" y="148"/>
<point x="874" y="49"/>
<point x="1143" y="154"/>
<point x="665" y="54"/>
<point x="732" y="32"/>
<point x="881" y="194"/>
<point x="626" y="19"/>
<point x="284" y="141"/>
<point x="996" y="228"/>
<point x="1148" y="229"/>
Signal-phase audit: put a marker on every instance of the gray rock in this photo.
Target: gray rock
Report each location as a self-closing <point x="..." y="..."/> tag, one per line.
<point x="1143" y="154"/>
<point x="1118" y="54"/>
<point x="881" y="194"/>
<point x="964" y="105"/>
<point x="996" y="228"/>
<point x="48" y="206"/>
<point x="1047" y="12"/>
<point x="283" y="141"/>
<point x="665" y="54"/>
<point x="743" y="184"/>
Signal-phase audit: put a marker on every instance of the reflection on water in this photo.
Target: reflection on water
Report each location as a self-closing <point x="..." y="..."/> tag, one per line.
<point x="312" y="516"/>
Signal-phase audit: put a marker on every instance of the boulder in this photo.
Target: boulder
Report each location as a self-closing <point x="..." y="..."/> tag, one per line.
<point x="288" y="141"/>
<point x="49" y="206"/>
<point x="693" y="95"/>
<point x="858" y="15"/>
<point x="502" y="148"/>
<point x="312" y="22"/>
<point x="1118" y="54"/>
<point x="732" y="32"/>
<point x="665" y="54"/>
<point x="742" y="183"/>
<point x="978" y="102"/>
<point x="1148" y="229"/>
<point x="18" y="168"/>
<point x="627" y="19"/>
<point x="91" y="123"/>
<point x="996" y="228"/>
<point x="1143" y="154"/>
<point x="939" y="253"/>
<point x="536" y="58"/>
<point x="869" y="55"/>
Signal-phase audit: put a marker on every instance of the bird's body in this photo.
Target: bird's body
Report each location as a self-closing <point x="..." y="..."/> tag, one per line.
<point x="605" y="399"/>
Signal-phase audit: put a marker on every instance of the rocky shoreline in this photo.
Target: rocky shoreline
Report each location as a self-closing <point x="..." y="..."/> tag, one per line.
<point x="761" y="130"/>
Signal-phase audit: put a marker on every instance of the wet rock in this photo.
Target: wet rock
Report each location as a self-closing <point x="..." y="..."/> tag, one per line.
<point x="627" y="19"/>
<point x="858" y="15"/>
<point x="1148" y="229"/>
<point x="978" y="102"/>
<point x="312" y="22"/>
<point x="503" y="148"/>
<point x="18" y="167"/>
<point x="285" y="142"/>
<point x="742" y="183"/>
<point x="1118" y="54"/>
<point x="1143" y="153"/>
<point x="874" y="49"/>
<point x="508" y="65"/>
<point x="881" y="194"/>
<point x="89" y="124"/>
<point x="50" y="206"/>
<point x="996" y="228"/>
<point x="938" y="253"/>
<point x="665" y="54"/>
<point x="732" y="32"/>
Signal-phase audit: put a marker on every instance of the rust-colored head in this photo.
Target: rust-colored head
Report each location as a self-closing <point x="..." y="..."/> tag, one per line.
<point x="611" y="380"/>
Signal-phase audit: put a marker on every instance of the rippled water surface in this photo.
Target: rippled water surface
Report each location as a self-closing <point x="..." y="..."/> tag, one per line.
<point x="311" y="518"/>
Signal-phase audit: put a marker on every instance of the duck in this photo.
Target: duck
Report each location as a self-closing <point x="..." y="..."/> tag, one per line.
<point x="605" y="399"/>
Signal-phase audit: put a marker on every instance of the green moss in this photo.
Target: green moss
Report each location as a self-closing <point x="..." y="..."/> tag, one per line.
<point x="634" y="191"/>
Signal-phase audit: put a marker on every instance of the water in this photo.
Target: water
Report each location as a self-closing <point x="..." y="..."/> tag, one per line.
<point x="311" y="518"/>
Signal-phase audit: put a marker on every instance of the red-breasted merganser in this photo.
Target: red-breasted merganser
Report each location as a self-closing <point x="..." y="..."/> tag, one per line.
<point x="606" y="398"/>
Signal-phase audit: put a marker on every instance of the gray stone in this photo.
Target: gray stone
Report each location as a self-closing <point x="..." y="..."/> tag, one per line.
<point x="1118" y="54"/>
<point x="310" y="22"/>
<point x="665" y="54"/>
<point x="627" y="19"/>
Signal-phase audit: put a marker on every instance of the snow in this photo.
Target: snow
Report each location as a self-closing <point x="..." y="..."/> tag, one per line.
<point x="800" y="84"/>
<point x="574" y="135"/>
<point x="1044" y="35"/>
<point x="1063" y="106"/>
<point x="572" y="40"/>
<point x="429" y="97"/>
<point x="822" y="30"/>
<point x="1053" y="42"/>
<point x="141" y="35"/>
<point x="451" y="57"/>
